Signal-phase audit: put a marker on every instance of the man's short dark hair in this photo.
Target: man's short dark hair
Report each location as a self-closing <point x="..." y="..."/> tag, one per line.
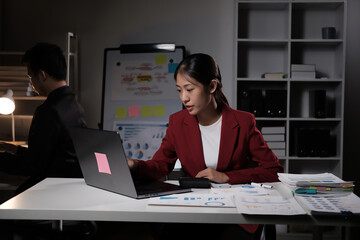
<point x="46" y="57"/>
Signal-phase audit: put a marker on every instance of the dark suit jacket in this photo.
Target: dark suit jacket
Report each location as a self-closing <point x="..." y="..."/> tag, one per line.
<point x="50" y="151"/>
<point x="240" y="142"/>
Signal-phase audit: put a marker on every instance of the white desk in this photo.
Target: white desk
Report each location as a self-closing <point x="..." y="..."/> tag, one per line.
<point x="72" y="199"/>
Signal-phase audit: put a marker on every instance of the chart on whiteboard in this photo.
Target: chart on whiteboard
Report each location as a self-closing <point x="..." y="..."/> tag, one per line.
<point x="141" y="140"/>
<point x="146" y="80"/>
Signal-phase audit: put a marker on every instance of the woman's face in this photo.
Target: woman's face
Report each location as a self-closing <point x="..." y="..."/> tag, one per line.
<point x="193" y="94"/>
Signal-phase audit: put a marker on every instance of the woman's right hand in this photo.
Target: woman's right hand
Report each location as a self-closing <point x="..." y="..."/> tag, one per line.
<point x="132" y="163"/>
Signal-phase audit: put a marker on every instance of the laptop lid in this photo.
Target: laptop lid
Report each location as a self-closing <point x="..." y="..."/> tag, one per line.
<point x="104" y="165"/>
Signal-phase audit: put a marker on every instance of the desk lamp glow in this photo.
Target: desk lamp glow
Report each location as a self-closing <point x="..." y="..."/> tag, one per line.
<point x="7" y="106"/>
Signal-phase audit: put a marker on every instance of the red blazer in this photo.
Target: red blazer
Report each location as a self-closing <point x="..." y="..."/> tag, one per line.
<point x="240" y="141"/>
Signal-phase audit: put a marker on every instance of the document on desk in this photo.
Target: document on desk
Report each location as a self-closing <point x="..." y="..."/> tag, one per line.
<point x="292" y="179"/>
<point x="330" y="204"/>
<point x="199" y="200"/>
<point x="267" y="205"/>
<point x="243" y="188"/>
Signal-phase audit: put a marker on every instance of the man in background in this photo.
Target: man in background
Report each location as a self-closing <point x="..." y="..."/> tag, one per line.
<point x="50" y="151"/>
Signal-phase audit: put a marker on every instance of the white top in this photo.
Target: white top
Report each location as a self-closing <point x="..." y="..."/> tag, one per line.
<point x="210" y="137"/>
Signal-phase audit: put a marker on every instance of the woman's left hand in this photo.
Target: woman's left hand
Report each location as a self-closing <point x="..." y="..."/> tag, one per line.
<point x="213" y="175"/>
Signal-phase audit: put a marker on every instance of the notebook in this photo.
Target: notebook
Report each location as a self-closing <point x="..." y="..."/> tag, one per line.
<point x="104" y="165"/>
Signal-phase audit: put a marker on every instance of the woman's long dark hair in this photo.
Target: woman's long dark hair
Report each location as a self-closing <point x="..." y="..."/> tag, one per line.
<point x="203" y="69"/>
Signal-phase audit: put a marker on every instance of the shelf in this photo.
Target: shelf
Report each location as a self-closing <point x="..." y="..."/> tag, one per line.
<point x="318" y="41"/>
<point x="261" y="41"/>
<point x="315" y="119"/>
<point x="271" y="36"/>
<point x="256" y="19"/>
<point x="303" y="99"/>
<point x="294" y="158"/>
<point x="256" y="59"/>
<point x="309" y="17"/>
<point x="17" y="116"/>
<point x="32" y="98"/>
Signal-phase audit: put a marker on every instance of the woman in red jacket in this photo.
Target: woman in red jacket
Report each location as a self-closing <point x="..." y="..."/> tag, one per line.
<point x="210" y="139"/>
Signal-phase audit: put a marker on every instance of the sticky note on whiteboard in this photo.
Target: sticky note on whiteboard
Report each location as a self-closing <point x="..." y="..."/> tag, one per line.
<point x="146" y="111"/>
<point x="134" y="111"/>
<point x="159" y="110"/>
<point x="120" y="112"/>
<point x="160" y="59"/>
<point x="102" y="163"/>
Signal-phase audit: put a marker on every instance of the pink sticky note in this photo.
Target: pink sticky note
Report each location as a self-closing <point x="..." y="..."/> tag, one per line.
<point x="103" y="163"/>
<point x="134" y="111"/>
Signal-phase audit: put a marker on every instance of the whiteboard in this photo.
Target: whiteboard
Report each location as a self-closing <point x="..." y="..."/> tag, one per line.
<point x="139" y="86"/>
<point x="139" y="95"/>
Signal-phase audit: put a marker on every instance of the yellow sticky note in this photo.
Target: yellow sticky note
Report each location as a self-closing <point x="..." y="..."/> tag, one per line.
<point x="159" y="110"/>
<point x="160" y="59"/>
<point x="120" y="112"/>
<point x="146" y="111"/>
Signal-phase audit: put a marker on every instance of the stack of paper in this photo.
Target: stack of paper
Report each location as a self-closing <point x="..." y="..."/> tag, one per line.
<point x="324" y="183"/>
<point x="303" y="71"/>
<point x="323" y="193"/>
<point x="275" y="139"/>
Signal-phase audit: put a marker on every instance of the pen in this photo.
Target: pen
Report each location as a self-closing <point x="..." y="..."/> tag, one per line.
<point x="261" y="185"/>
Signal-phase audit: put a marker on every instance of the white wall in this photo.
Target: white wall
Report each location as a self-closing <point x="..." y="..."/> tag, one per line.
<point x="201" y="26"/>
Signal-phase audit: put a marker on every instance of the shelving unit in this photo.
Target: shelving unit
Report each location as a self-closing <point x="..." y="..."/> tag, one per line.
<point x="13" y="75"/>
<point x="271" y="36"/>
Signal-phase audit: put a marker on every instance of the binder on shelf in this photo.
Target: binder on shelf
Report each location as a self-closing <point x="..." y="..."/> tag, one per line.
<point x="256" y="102"/>
<point x="243" y="100"/>
<point x="275" y="103"/>
<point x="314" y="142"/>
<point x="317" y="106"/>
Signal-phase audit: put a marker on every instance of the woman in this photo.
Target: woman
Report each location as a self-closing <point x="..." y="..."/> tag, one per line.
<point x="210" y="139"/>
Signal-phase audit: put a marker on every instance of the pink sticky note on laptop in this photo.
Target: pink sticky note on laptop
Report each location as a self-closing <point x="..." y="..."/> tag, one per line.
<point x="103" y="163"/>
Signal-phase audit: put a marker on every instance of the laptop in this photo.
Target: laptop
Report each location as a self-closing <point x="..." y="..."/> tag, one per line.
<point x="104" y="165"/>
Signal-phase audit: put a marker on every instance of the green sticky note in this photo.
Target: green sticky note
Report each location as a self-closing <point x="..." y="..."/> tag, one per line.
<point x="160" y="59"/>
<point x="146" y="111"/>
<point x="120" y="112"/>
<point x="159" y="110"/>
